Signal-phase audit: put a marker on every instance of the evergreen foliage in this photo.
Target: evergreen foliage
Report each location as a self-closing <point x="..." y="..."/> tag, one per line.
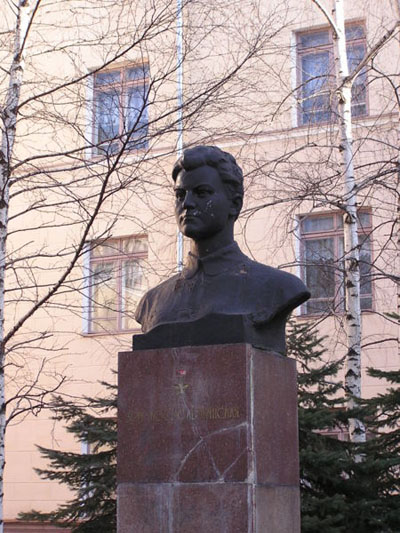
<point x="323" y="459"/>
<point x="344" y="487"/>
<point x="92" y="476"/>
<point x="379" y="472"/>
<point x="376" y="478"/>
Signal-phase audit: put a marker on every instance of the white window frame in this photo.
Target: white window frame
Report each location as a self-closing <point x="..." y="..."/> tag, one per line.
<point x="327" y="47"/>
<point x="121" y="92"/>
<point x="336" y="233"/>
<point x="118" y="258"/>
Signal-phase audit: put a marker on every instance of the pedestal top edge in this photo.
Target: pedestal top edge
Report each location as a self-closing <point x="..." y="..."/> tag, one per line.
<point x="215" y="347"/>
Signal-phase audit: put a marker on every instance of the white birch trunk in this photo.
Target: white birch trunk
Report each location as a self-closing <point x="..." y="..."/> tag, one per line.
<point x="398" y="244"/>
<point x="24" y="12"/>
<point x="351" y="246"/>
<point x="350" y="225"/>
<point x="398" y="216"/>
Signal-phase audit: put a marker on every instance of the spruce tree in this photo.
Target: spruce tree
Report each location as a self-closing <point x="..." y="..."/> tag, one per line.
<point x="323" y="459"/>
<point x="377" y="477"/>
<point x="373" y="496"/>
<point x="345" y="487"/>
<point x="92" y="476"/>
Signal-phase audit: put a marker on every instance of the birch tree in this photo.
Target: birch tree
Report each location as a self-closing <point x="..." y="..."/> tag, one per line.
<point x="24" y="15"/>
<point x="340" y="165"/>
<point x="349" y="204"/>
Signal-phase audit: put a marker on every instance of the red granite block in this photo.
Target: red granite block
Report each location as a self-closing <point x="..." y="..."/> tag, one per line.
<point x="211" y="507"/>
<point x="207" y="508"/>
<point x="183" y="415"/>
<point x="207" y="441"/>
<point x="275" y="419"/>
<point x="184" y="508"/>
<point x="141" y="508"/>
<point x="277" y="509"/>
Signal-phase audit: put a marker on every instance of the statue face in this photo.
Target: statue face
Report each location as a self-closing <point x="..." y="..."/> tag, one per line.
<point x="202" y="206"/>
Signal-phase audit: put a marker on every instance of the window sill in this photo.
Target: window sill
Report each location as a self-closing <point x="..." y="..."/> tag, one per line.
<point x="318" y="125"/>
<point x="132" y="152"/>
<point x="305" y="317"/>
<point x="136" y="331"/>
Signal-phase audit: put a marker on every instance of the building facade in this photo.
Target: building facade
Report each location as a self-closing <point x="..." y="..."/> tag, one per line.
<point x="109" y="94"/>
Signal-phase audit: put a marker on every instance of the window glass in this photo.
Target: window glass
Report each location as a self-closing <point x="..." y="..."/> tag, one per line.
<point x="136" y="110"/>
<point x="136" y="245"/>
<point x="117" y="283"/>
<point x="354" y="32"/>
<point x="323" y="262"/>
<point x="315" y="69"/>
<point x="316" y="79"/>
<point x="366" y="303"/>
<point x="320" y="272"/>
<point x="132" y="291"/>
<point x="315" y="224"/>
<point x="355" y="54"/>
<point x="107" y="78"/>
<point x="365" y="265"/>
<point x="364" y="219"/>
<point x="120" y="109"/>
<point x="137" y="73"/>
<point x="107" y="115"/>
<point x="109" y="247"/>
<point x="318" y="307"/>
<point x="104" y="297"/>
<point x="310" y="40"/>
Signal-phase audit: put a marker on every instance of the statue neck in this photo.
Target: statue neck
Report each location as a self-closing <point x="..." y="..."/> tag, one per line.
<point x="211" y="244"/>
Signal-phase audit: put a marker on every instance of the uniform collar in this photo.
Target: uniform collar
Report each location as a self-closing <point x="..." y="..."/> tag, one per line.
<point x="213" y="264"/>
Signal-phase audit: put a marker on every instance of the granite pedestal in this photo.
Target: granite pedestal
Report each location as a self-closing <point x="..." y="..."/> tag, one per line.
<point x="207" y="441"/>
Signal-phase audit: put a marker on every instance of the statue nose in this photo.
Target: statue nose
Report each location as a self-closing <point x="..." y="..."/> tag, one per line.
<point x="189" y="200"/>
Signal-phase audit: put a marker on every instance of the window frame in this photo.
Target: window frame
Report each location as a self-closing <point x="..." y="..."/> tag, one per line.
<point x="328" y="47"/>
<point x="336" y="233"/>
<point x="119" y="258"/>
<point x="121" y="88"/>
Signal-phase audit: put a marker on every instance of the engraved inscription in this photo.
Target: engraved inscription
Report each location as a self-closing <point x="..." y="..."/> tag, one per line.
<point x="196" y="413"/>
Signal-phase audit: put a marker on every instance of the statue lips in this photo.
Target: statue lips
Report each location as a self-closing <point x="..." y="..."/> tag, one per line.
<point x="188" y="217"/>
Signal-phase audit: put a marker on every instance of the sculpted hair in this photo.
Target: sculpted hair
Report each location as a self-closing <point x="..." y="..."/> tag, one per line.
<point x="230" y="172"/>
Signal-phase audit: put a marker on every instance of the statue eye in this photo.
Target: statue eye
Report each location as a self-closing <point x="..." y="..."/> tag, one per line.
<point x="203" y="193"/>
<point x="180" y="195"/>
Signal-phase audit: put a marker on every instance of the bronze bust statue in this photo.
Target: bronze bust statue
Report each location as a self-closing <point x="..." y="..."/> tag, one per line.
<point x="218" y="280"/>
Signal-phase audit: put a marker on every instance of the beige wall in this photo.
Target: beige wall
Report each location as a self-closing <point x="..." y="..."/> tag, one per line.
<point x="243" y="119"/>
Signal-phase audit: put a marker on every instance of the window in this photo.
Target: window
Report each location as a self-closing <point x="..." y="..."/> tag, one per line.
<point x="117" y="283"/>
<point x="322" y="260"/>
<point x="120" y="109"/>
<point x="315" y="67"/>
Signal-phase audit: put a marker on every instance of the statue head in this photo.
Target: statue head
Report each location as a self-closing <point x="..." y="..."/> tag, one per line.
<point x="209" y="192"/>
<point x="225" y="164"/>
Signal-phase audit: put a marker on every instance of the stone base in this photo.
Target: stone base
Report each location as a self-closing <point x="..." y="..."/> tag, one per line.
<point x="207" y="508"/>
<point x="207" y="440"/>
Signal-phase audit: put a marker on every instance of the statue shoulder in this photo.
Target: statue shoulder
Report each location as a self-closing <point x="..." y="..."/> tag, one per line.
<point x="151" y="298"/>
<point x="281" y="291"/>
